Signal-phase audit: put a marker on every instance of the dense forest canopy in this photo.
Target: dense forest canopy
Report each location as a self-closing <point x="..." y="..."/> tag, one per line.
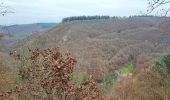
<point x="80" y="18"/>
<point x="74" y="18"/>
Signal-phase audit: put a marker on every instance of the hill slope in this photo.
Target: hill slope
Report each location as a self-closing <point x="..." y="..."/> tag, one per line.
<point x="21" y="31"/>
<point x="105" y="45"/>
<point x="9" y="34"/>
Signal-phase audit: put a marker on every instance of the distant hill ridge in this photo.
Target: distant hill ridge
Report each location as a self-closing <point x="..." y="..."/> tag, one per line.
<point x="23" y="30"/>
<point x="12" y="33"/>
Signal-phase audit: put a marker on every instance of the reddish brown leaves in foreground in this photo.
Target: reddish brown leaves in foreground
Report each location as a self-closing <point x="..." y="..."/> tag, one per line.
<point x="46" y="75"/>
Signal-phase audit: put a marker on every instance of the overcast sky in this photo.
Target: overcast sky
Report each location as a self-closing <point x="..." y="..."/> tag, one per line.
<point x="33" y="11"/>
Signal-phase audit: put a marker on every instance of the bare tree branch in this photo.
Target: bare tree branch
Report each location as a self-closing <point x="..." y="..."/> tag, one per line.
<point x="4" y="9"/>
<point x="155" y="4"/>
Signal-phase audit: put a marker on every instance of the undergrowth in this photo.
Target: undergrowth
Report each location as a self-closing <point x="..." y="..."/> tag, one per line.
<point x="150" y="83"/>
<point x="107" y="83"/>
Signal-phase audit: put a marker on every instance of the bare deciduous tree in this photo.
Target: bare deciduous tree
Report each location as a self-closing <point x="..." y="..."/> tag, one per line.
<point x="4" y="9"/>
<point x="160" y="6"/>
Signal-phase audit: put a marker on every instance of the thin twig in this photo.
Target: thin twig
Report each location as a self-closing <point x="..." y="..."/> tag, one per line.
<point x="154" y="4"/>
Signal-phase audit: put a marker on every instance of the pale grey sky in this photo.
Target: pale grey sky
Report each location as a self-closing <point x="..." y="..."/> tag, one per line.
<point x="33" y="11"/>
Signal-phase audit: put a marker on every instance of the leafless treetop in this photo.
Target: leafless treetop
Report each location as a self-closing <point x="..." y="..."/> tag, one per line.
<point x="161" y="4"/>
<point x="4" y="9"/>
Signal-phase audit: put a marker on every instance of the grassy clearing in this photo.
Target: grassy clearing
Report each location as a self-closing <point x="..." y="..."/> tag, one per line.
<point x="127" y="68"/>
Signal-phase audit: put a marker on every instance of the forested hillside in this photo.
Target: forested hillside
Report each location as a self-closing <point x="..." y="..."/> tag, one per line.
<point x="114" y="58"/>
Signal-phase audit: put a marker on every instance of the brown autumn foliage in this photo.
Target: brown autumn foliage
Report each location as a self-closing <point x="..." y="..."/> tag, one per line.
<point x="46" y="75"/>
<point x="1" y="35"/>
<point x="147" y="84"/>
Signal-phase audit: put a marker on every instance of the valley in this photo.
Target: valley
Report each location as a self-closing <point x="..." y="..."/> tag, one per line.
<point x="102" y="48"/>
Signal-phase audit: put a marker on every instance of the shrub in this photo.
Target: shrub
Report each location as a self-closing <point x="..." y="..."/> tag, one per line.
<point x="163" y="66"/>
<point x="109" y="79"/>
<point x="107" y="83"/>
<point x="46" y="74"/>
